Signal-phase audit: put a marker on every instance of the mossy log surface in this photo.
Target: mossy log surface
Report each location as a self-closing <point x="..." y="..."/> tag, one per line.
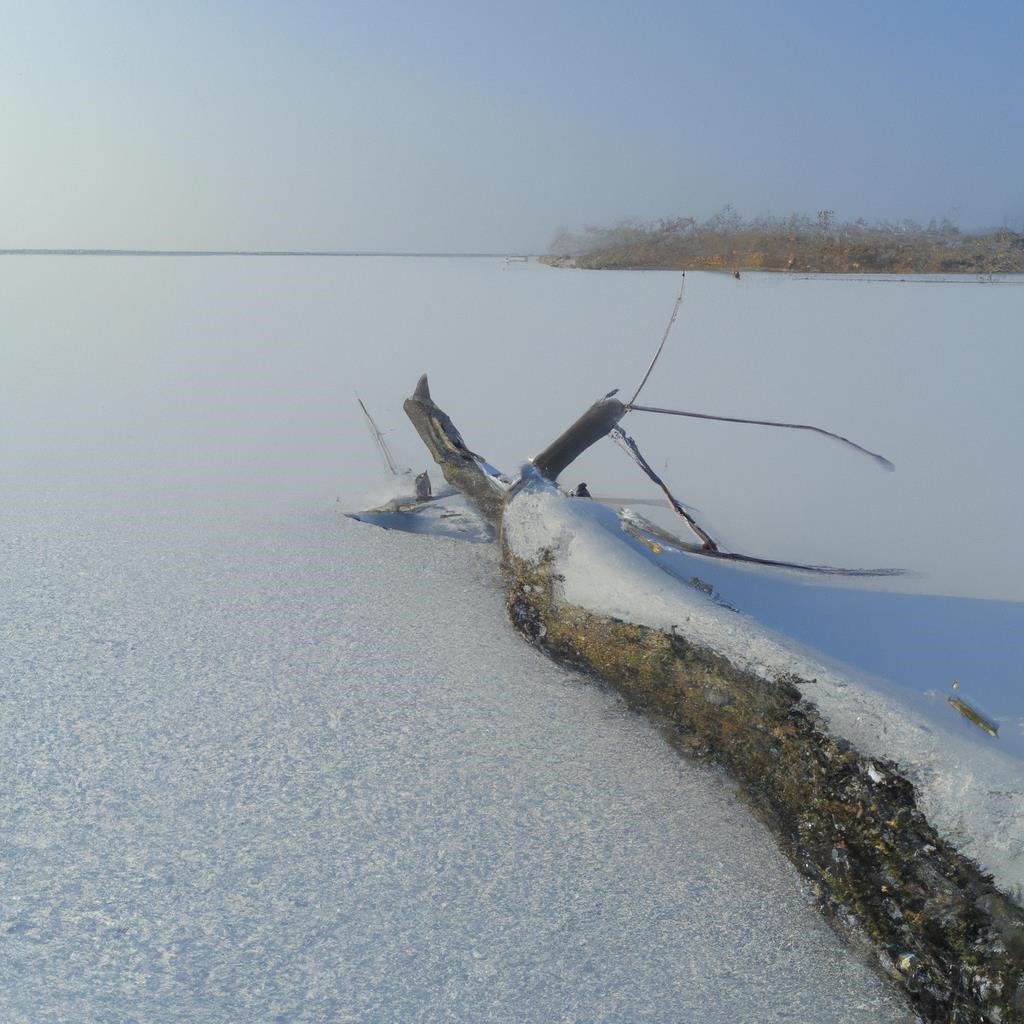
<point x="936" y="923"/>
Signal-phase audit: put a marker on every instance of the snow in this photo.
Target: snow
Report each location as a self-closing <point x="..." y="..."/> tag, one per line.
<point x="265" y="763"/>
<point x="972" y="794"/>
<point x="297" y="768"/>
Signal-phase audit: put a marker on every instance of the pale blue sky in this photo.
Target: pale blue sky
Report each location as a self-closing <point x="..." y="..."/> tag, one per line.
<point x="464" y="126"/>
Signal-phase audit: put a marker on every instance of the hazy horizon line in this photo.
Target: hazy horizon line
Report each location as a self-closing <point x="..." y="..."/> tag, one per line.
<point x="254" y="252"/>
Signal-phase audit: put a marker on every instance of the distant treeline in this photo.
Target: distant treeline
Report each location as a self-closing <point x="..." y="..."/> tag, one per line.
<point x="799" y="243"/>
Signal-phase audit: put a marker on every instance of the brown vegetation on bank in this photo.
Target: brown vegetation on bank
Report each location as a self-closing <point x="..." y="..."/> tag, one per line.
<point x="799" y="244"/>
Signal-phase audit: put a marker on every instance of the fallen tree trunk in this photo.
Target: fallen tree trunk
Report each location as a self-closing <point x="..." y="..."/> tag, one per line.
<point x="936" y="923"/>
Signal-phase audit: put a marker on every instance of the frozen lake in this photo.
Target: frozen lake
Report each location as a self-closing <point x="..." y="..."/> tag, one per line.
<point x="264" y="762"/>
<point x="298" y="769"/>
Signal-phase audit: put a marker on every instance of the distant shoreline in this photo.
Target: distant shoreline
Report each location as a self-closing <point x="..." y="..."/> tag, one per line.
<point x="867" y="276"/>
<point x="729" y="243"/>
<point x="737" y="268"/>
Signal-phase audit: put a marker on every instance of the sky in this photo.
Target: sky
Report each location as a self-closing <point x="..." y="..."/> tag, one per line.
<point x="458" y="126"/>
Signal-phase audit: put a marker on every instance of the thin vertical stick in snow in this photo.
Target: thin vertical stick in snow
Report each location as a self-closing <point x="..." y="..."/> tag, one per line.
<point x="379" y="438"/>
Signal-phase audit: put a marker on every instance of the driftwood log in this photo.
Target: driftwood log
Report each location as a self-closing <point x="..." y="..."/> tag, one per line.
<point x="929" y="916"/>
<point x="460" y="467"/>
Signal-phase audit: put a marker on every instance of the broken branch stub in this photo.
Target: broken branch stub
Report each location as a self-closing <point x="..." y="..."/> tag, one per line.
<point x="594" y="424"/>
<point x="460" y="467"/>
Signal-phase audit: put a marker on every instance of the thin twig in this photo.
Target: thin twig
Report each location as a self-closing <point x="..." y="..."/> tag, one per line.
<point x="379" y="438"/>
<point x="664" y="338"/>
<point x="881" y="460"/>
<point x="630" y="447"/>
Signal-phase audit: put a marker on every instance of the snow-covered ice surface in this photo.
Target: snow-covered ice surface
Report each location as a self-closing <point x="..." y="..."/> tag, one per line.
<point x="974" y="795"/>
<point x="300" y="769"/>
<point x="264" y="763"/>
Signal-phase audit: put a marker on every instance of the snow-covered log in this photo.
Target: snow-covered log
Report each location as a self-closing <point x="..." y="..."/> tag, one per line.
<point x="849" y="820"/>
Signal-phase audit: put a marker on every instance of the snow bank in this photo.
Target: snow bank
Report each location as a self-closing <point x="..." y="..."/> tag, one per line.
<point x="973" y="795"/>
